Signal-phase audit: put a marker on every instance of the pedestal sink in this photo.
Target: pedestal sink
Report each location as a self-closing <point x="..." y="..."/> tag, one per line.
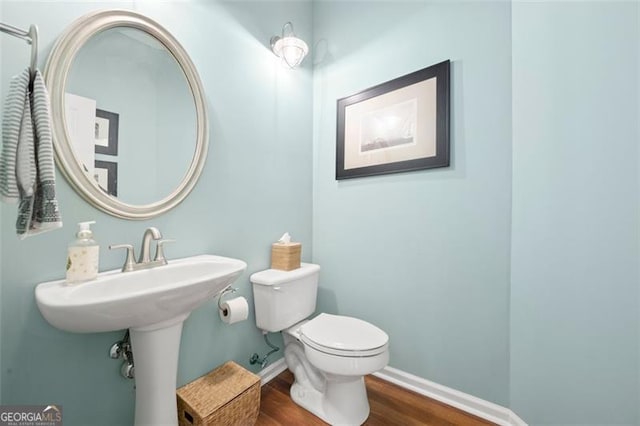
<point x="152" y="304"/>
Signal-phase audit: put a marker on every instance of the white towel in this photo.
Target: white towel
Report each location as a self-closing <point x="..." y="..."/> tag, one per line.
<point x="38" y="210"/>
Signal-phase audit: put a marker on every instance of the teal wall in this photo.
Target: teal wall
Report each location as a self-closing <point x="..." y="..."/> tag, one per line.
<point x="541" y="315"/>
<point x="574" y="271"/>
<point x="423" y="255"/>
<point x="256" y="185"/>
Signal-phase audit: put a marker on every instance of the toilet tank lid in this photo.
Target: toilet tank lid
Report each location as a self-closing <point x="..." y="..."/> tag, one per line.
<point x="276" y="276"/>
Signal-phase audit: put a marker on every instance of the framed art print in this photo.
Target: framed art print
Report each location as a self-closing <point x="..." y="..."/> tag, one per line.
<point x="106" y="132"/>
<point x="397" y="126"/>
<point x="106" y="175"/>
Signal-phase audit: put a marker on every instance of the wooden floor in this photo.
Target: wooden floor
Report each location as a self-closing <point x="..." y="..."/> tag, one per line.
<point x="390" y="405"/>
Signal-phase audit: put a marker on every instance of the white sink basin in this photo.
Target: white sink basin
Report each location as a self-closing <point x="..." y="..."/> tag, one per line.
<point x="119" y="300"/>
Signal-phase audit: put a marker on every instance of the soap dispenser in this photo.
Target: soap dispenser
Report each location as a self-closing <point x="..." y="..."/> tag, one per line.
<point x="83" y="255"/>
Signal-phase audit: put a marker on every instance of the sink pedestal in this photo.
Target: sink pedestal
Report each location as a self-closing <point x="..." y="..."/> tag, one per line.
<point x="155" y="354"/>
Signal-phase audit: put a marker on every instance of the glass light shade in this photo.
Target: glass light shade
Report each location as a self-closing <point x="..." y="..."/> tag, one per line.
<point x="291" y="49"/>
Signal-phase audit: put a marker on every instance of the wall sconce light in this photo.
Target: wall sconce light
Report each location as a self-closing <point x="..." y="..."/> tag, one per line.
<point x="290" y="48"/>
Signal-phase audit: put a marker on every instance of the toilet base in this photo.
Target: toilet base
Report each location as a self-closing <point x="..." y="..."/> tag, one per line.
<point x="330" y="386"/>
<point x="344" y="401"/>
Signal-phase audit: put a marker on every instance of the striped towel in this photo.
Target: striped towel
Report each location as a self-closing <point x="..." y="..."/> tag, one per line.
<point x="27" y="158"/>
<point x="16" y="129"/>
<point x="39" y="211"/>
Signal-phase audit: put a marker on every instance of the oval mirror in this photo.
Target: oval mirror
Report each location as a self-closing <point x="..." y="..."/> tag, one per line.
<point x="129" y="115"/>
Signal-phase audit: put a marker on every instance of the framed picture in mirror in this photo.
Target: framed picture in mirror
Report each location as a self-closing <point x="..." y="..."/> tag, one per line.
<point x="106" y="132"/>
<point x="106" y="175"/>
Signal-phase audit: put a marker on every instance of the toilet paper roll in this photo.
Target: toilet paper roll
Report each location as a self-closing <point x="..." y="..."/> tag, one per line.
<point x="234" y="310"/>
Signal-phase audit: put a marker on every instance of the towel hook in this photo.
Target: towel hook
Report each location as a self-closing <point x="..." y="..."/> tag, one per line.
<point x="30" y="37"/>
<point x="33" y="41"/>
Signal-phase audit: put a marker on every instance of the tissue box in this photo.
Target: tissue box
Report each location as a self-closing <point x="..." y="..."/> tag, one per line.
<point x="285" y="256"/>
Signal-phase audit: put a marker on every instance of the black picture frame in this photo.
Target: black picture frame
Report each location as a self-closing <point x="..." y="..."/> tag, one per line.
<point x="111" y="120"/>
<point x="416" y="105"/>
<point x="111" y="168"/>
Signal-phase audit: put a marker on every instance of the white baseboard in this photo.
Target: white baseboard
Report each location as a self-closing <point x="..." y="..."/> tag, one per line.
<point x="514" y="420"/>
<point x="465" y="402"/>
<point x="271" y="371"/>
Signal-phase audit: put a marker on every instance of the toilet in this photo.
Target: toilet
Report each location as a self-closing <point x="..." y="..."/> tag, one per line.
<point x="329" y="355"/>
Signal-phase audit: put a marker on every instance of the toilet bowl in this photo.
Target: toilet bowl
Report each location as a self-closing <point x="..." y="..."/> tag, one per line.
<point x="329" y="355"/>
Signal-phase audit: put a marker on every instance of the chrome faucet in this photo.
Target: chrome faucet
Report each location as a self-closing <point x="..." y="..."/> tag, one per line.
<point x="144" y="261"/>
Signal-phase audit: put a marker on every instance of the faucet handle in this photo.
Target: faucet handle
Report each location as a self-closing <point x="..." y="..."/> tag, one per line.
<point x="160" y="250"/>
<point x="130" y="260"/>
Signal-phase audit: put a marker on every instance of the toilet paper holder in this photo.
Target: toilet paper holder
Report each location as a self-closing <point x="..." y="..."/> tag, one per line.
<point x="222" y="293"/>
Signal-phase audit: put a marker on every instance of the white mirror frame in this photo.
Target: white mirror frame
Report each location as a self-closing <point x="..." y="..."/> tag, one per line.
<point x="56" y="73"/>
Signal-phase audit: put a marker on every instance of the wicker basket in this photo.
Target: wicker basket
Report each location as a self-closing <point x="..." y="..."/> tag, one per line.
<point x="227" y="396"/>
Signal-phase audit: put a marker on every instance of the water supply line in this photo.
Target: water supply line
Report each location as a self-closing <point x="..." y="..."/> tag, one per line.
<point x="264" y="361"/>
<point x="122" y="349"/>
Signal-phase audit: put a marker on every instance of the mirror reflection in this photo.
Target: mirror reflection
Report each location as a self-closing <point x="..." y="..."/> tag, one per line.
<point x="130" y="115"/>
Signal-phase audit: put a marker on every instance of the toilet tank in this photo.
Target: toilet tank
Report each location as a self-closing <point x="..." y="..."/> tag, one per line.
<point x="283" y="298"/>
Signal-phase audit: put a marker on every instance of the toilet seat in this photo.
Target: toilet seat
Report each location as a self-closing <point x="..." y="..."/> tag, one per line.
<point x="343" y="336"/>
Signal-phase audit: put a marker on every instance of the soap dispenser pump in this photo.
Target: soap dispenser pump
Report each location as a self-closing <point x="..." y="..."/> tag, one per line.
<point x="83" y="255"/>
